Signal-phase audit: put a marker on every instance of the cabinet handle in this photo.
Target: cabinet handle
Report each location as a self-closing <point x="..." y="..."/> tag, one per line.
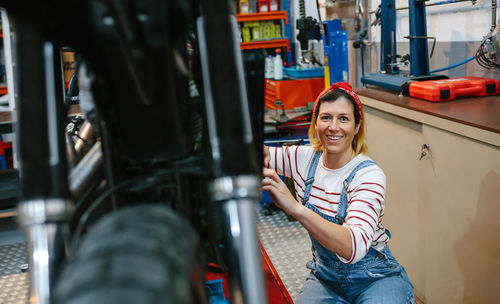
<point x="425" y="148"/>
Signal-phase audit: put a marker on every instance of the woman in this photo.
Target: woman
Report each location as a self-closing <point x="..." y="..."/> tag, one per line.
<point x="342" y="195"/>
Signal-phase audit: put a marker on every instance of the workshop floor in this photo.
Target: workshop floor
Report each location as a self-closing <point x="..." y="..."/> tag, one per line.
<point x="13" y="281"/>
<point x="286" y="243"/>
<point x="288" y="246"/>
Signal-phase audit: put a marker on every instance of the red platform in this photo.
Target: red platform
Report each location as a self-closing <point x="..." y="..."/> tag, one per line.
<point x="276" y="291"/>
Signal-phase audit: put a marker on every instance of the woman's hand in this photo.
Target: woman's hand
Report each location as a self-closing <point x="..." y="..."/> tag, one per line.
<point x="280" y="193"/>
<point x="267" y="157"/>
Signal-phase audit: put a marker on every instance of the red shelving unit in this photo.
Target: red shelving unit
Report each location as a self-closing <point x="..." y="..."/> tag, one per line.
<point x="259" y="44"/>
<point x="271" y="43"/>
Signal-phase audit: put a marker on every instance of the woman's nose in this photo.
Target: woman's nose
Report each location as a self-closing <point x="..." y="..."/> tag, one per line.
<point x="334" y="124"/>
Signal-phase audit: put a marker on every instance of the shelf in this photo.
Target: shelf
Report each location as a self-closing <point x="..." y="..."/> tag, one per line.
<point x="263" y="16"/>
<point x="264" y="44"/>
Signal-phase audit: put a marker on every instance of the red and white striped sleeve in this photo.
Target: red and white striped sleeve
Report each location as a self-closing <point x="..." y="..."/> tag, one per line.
<point x="366" y="196"/>
<point x="283" y="160"/>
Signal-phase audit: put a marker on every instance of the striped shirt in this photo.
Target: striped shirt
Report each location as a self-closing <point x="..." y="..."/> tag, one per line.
<point x="366" y="194"/>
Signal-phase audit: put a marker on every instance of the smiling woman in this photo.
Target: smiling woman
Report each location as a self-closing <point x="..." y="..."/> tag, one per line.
<point x="342" y="204"/>
<point x="335" y="130"/>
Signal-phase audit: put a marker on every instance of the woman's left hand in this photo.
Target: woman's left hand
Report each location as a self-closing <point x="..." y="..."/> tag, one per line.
<point x="279" y="192"/>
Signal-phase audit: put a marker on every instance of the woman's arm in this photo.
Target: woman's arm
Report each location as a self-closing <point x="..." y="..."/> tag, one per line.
<point x="334" y="237"/>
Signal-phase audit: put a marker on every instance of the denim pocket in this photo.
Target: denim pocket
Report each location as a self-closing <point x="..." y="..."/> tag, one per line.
<point x="382" y="267"/>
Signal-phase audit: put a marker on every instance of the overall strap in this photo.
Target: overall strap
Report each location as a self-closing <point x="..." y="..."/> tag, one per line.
<point x="310" y="176"/>
<point x="342" y="210"/>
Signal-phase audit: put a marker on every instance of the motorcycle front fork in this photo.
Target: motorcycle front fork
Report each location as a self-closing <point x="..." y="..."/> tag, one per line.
<point x="44" y="204"/>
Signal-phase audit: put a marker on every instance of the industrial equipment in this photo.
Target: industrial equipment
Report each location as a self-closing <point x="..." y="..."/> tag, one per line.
<point x="390" y="75"/>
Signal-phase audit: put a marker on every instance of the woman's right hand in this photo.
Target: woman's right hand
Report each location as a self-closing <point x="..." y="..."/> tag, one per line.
<point x="279" y="192"/>
<point x="267" y="156"/>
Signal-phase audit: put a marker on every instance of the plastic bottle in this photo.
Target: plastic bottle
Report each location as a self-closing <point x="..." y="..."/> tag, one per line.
<point x="263" y="6"/>
<point x="278" y="65"/>
<point x="244" y="7"/>
<point x="269" y="68"/>
<point x="273" y="5"/>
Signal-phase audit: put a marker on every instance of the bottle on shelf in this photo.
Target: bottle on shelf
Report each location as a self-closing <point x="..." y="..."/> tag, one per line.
<point x="269" y="67"/>
<point x="278" y="65"/>
<point x="273" y="5"/>
<point x="244" y="6"/>
<point x="263" y="6"/>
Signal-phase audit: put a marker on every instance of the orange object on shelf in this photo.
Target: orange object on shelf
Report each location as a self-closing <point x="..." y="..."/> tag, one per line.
<point x="263" y="16"/>
<point x="3" y="90"/>
<point x="292" y="93"/>
<point x="244" y="7"/>
<point x="449" y="89"/>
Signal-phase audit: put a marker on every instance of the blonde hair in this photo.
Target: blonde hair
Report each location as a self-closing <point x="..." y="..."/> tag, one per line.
<point x="359" y="142"/>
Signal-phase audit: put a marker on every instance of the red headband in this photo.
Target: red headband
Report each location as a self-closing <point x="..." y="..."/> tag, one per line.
<point x="344" y="86"/>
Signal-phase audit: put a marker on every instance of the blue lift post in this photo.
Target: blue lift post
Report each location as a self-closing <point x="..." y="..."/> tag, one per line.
<point x="419" y="62"/>
<point x="390" y="76"/>
<point x="388" y="34"/>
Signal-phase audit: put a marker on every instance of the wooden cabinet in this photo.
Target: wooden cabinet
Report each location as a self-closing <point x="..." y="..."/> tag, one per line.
<point x="443" y="208"/>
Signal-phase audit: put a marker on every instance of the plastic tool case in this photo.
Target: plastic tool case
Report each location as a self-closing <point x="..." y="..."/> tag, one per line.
<point x="449" y="89"/>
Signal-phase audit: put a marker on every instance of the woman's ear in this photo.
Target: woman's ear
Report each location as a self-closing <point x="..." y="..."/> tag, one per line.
<point x="356" y="130"/>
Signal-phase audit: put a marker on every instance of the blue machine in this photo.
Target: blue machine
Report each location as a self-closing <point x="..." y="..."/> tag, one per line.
<point x="390" y="76"/>
<point x="336" y="48"/>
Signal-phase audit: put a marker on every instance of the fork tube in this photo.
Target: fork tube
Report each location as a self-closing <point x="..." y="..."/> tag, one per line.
<point x="44" y="205"/>
<point x="236" y="179"/>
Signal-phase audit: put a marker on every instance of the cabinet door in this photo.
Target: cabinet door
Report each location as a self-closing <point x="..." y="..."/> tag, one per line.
<point x="443" y="210"/>
<point x="395" y="144"/>
<point x="460" y="186"/>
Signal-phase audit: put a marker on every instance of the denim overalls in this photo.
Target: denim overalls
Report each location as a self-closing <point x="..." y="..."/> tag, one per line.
<point x="377" y="278"/>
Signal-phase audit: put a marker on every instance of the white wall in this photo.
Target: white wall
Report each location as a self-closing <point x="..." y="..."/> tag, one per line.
<point x="458" y="28"/>
<point x="448" y="23"/>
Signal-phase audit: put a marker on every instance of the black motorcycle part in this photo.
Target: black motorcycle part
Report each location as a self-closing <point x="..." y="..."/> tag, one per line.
<point x="142" y="254"/>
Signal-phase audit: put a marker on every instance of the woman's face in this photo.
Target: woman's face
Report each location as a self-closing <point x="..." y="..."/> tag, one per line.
<point x="335" y="129"/>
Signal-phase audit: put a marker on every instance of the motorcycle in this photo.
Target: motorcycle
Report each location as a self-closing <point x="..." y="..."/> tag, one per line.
<point x="159" y="177"/>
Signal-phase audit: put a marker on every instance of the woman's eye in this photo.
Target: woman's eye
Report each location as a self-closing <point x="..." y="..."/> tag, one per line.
<point x="324" y="117"/>
<point x="344" y="118"/>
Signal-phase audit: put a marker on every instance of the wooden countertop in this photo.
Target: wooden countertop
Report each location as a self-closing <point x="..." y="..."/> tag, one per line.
<point x="480" y="112"/>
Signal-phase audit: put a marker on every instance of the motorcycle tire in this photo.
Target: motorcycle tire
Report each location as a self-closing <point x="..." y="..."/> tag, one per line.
<point x="142" y="254"/>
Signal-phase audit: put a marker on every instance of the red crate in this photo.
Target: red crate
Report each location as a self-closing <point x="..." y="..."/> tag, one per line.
<point x="449" y="89"/>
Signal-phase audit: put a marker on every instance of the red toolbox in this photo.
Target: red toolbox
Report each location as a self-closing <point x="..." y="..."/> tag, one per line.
<point x="449" y="89"/>
<point x="292" y="92"/>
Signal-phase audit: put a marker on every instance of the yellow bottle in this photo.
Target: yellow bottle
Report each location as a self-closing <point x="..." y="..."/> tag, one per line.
<point x="244" y="7"/>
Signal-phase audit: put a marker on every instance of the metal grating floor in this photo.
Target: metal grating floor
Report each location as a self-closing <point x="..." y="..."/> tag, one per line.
<point x="286" y="243"/>
<point x="13" y="282"/>
<point x="288" y="246"/>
